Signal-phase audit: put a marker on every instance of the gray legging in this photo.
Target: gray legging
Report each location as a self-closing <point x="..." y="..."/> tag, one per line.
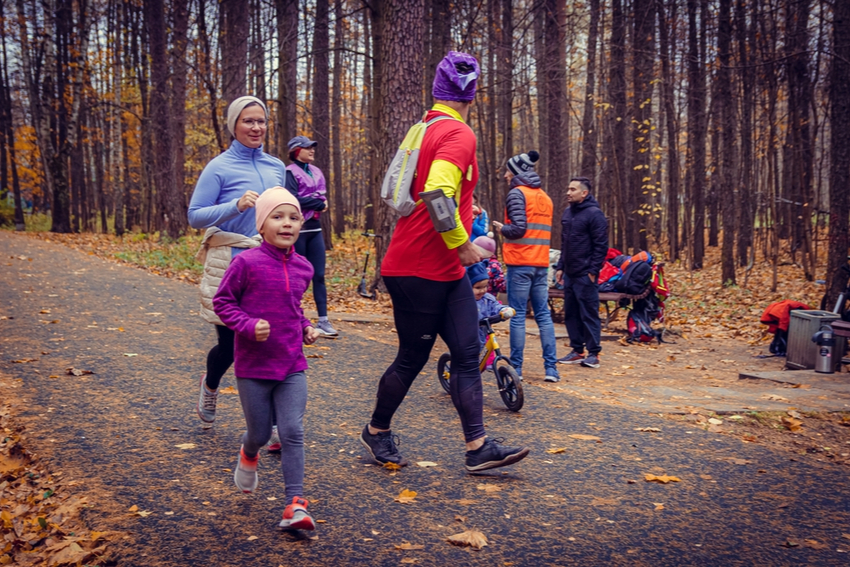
<point x="289" y="399"/>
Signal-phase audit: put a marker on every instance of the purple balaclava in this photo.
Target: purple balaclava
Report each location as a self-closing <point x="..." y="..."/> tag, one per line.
<point x="456" y="77"/>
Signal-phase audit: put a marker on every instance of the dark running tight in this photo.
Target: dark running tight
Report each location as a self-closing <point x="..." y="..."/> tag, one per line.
<point x="422" y="310"/>
<point x="311" y="245"/>
<point x="220" y="357"/>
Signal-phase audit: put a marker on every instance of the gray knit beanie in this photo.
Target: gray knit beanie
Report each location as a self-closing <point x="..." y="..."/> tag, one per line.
<point x="523" y="163"/>
<point x="237" y="106"/>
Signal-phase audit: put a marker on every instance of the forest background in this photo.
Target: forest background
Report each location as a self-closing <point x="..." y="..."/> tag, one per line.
<point x="703" y="123"/>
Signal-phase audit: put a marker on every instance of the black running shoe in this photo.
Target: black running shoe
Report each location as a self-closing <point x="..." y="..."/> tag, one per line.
<point x="382" y="447"/>
<point x="492" y="455"/>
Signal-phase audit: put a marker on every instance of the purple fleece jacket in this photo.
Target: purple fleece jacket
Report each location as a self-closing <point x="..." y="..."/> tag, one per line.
<point x="265" y="283"/>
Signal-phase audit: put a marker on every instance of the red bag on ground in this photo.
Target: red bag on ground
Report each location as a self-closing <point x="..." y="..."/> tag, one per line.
<point x="778" y="315"/>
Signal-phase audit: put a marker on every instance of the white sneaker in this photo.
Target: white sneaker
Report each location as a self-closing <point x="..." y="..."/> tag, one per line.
<point x="245" y="474"/>
<point x="326" y="329"/>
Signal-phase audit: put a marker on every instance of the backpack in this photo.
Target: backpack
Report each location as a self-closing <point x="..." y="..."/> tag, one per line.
<point x="640" y="318"/>
<point x="398" y="180"/>
<point x="635" y="278"/>
<point x="659" y="283"/>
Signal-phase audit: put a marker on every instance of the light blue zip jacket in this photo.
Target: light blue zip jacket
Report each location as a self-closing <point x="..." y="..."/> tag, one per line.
<point x="224" y="180"/>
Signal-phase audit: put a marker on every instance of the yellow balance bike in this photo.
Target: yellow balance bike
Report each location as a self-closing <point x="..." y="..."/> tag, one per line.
<point x="510" y="387"/>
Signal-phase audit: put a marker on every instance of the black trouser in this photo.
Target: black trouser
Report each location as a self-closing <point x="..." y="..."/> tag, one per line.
<point x="311" y="245"/>
<point x="423" y="309"/>
<point x="581" y="313"/>
<point x="220" y="357"/>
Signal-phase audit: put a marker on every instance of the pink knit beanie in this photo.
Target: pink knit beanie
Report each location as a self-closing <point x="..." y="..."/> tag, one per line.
<point x="486" y="243"/>
<point x="270" y="200"/>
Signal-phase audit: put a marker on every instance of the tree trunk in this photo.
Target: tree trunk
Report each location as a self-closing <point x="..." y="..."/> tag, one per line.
<point x="234" y="48"/>
<point x="207" y="74"/>
<point x="505" y="70"/>
<point x="696" y="127"/>
<point x="377" y="165"/>
<point x="440" y="20"/>
<point x="8" y="131"/>
<point x="672" y="124"/>
<point x="617" y="95"/>
<point x="320" y="105"/>
<point x="726" y="188"/>
<point x="336" y="143"/>
<point x="401" y="90"/>
<point x="180" y="25"/>
<point x="557" y="166"/>
<point x="170" y="201"/>
<point x="746" y="90"/>
<point x="588" y="129"/>
<point x="287" y="37"/>
<point x="641" y="183"/>
<point x="839" y="171"/>
<point x="542" y="94"/>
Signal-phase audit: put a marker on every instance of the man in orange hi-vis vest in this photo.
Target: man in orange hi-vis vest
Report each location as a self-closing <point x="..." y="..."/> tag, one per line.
<point x="527" y="230"/>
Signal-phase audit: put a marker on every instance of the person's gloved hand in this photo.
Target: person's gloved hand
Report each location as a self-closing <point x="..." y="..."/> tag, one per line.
<point x="507" y="313"/>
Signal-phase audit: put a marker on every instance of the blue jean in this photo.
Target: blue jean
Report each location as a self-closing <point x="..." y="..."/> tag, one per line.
<point x="524" y="283"/>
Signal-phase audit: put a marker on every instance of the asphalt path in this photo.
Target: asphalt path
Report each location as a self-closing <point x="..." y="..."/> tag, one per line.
<point x="117" y="432"/>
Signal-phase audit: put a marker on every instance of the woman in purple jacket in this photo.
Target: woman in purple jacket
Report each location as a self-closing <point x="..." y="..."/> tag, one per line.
<point x="259" y="298"/>
<point x="312" y="195"/>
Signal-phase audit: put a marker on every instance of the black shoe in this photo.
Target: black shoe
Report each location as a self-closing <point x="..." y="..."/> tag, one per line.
<point x="492" y="455"/>
<point x="382" y="446"/>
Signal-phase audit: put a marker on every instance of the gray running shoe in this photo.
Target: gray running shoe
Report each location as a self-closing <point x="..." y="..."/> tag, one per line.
<point x="382" y="446"/>
<point x="206" y="404"/>
<point x="573" y="358"/>
<point x="492" y="455"/>
<point x="326" y="329"/>
<point x="245" y="473"/>
<point x="592" y="361"/>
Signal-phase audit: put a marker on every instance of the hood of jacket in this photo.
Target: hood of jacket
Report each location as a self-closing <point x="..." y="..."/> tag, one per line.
<point x="527" y="179"/>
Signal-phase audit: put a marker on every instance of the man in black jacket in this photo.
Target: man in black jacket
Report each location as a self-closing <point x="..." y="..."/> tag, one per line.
<point x="584" y="245"/>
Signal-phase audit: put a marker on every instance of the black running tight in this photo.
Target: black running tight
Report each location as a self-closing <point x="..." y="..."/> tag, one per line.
<point x="424" y="309"/>
<point x="220" y="357"/>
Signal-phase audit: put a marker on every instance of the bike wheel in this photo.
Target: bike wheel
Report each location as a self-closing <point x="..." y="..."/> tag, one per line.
<point x="510" y="388"/>
<point x="444" y="370"/>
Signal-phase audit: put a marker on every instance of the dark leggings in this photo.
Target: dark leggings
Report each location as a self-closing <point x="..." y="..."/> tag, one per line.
<point x="220" y="357"/>
<point x="311" y="245"/>
<point x="423" y="309"/>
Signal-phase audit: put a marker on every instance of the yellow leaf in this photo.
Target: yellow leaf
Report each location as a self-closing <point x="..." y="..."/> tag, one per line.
<point x="792" y="423"/>
<point x="409" y="546"/>
<point x="648" y="429"/>
<point x="664" y="479"/>
<point x="425" y="464"/>
<point x="392" y="466"/>
<point x="406" y="496"/>
<point x="252" y="538"/>
<point x="133" y="508"/>
<point x="583" y="437"/>
<point x="186" y="446"/>
<point x="658" y="506"/>
<point x="469" y="538"/>
<point x="489" y="487"/>
<point x="556" y="450"/>
<point x="229" y="390"/>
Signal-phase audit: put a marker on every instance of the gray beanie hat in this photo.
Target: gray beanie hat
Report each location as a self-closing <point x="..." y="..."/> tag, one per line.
<point x="523" y="163"/>
<point x="237" y="106"/>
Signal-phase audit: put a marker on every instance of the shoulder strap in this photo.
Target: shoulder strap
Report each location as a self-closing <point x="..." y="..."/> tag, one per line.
<point x="437" y="119"/>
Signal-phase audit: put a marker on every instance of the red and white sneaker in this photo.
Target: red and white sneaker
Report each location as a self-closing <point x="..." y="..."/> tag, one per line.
<point x="245" y="474"/>
<point x="273" y="445"/>
<point x="295" y="516"/>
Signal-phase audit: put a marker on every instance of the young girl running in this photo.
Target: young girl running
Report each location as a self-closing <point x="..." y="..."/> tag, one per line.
<point x="260" y="300"/>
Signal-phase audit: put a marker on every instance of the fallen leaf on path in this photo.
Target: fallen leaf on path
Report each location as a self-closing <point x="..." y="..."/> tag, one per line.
<point x="556" y="450"/>
<point x="406" y="496"/>
<point x="71" y="371"/>
<point x="409" y="546"/>
<point x="392" y="466"/>
<point x="426" y="464"/>
<point x="658" y="506"/>
<point x="130" y="354"/>
<point x="186" y="446"/>
<point x="467" y="502"/>
<point x="715" y="421"/>
<point x="845" y="536"/>
<point x="584" y="437"/>
<point x="24" y="360"/>
<point x="315" y="356"/>
<point x="71" y="555"/>
<point x="648" y="429"/>
<point x="169" y="513"/>
<point x="229" y="390"/>
<point x="802" y="386"/>
<point x="794" y="414"/>
<point x="409" y="560"/>
<point x="815" y="544"/>
<point x="489" y="487"/>
<point x="663" y="479"/>
<point x="252" y="538"/>
<point x="792" y="423"/>
<point x="469" y="538"/>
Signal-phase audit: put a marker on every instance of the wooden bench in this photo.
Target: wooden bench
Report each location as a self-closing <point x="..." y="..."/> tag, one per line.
<point x="605" y="298"/>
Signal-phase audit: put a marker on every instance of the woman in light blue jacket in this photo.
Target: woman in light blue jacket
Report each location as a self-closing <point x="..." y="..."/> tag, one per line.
<point x="224" y="197"/>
